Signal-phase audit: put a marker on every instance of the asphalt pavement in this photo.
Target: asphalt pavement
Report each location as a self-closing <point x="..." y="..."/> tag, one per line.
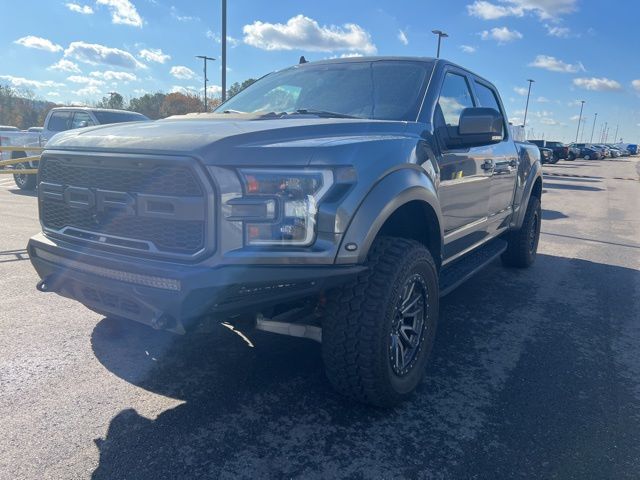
<point x="535" y="373"/>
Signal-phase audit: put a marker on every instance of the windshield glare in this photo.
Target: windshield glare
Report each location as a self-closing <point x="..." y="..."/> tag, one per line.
<point x="385" y="90"/>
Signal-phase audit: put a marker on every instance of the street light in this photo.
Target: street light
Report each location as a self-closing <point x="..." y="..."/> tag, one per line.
<point x="593" y="129"/>
<point x="526" y="108"/>
<point x="441" y="35"/>
<point x="580" y="120"/>
<point x="204" y="60"/>
<point x="224" y="50"/>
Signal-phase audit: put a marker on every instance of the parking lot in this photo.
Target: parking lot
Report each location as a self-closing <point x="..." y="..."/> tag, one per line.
<point x="535" y="373"/>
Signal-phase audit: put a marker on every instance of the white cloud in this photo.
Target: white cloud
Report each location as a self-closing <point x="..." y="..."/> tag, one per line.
<point x="89" y="91"/>
<point x="185" y="90"/>
<point x="597" y="84"/>
<point x="53" y="94"/>
<point x="468" y="49"/>
<point x="65" y="66"/>
<point x="552" y="64"/>
<point x="182" y="18"/>
<point x="39" y="43"/>
<point x="501" y="35"/>
<point x="110" y="75"/>
<point x="521" y="90"/>
<point x="402" y="36"/>
<point x="542" y="100"/>
<point x="636" y="85"/>
<point x="122" y="12"/>
<point x="544" y="9"/>
<point x="490" y="11"/>
<point x="304" y="33"/>
<point x="549" y="121"/>
<point x="94" y="54"/>
<point x="154" y="55"/>
<point x="575" y="118"/>
<point x="83" y="9"/>
<point x="556" y="31"/>
<point x="24" y="82"/>
<point x="90" y="82"/>
<point x="232" y="42"/>
<point x="183" y="73"/>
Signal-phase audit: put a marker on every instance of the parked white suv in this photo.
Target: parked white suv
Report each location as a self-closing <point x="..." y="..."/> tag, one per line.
<point x="58" y="120"/>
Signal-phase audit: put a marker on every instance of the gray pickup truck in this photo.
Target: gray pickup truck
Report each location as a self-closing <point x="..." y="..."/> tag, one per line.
<point x="335" y="200"/>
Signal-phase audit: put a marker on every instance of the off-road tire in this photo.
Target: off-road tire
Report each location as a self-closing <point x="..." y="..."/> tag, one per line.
<point x="24" y="182"/>
<point x="523" y="243"/>
<point x="359" y="319"/>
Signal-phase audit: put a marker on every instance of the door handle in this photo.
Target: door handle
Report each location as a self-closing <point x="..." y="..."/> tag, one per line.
<point x="488" y="165"/>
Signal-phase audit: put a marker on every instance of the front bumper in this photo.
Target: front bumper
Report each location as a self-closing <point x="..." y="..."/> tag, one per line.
<point x="171" y="296"/>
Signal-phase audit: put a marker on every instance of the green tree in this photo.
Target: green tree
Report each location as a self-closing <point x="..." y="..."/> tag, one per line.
<point x="148" y="104"/>
<point x="238" y="87"/>
<point x="114" y="100"/>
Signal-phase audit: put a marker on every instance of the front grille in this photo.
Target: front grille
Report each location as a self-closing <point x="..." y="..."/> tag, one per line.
<point x="160" y="180"/>
<point x="68" y="192"/>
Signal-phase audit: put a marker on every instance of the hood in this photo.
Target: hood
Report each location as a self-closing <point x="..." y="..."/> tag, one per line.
<point x="221" y="139"/>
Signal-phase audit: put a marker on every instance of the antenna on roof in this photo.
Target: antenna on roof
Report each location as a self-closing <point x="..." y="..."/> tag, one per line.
<point x="302" y="60"/>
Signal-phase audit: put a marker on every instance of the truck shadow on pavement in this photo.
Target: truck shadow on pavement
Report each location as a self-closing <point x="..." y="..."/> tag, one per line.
<point x="519" y="379"/>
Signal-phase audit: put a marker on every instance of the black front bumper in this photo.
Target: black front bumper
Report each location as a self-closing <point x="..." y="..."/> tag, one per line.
<point x="171" y="296"/>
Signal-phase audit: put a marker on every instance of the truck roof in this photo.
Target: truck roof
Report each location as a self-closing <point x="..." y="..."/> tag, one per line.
<point x="435" y="61"/>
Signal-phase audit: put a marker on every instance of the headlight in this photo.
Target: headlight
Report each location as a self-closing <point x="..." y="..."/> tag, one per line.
<point x="279" y="207"/>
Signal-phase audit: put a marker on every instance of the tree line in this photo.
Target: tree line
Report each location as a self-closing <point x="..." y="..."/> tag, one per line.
<point x="21" y="108"/>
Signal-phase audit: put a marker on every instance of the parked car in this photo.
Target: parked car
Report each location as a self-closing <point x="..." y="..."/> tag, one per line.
<point x="624" y="151"/>
<point x="583" y="150"/>
<point x="604" y="150"/>
<point x="58" y="120"/>
<point x="8" y="128"/>
<point x="560" y="150"/>
<point x="340" y="213"/>
<point x="633" y="148"/>
<point x="546" y="154"/>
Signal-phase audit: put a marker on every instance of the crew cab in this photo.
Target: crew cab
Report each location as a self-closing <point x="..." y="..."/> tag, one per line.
<point x="335" y="200"/>
<point x="59" y="119"/>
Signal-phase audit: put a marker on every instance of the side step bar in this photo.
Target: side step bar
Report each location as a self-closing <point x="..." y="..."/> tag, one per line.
<point x="458" y="272"/>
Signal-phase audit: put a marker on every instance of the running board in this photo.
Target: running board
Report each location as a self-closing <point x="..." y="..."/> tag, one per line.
<point x="458" y="272"/>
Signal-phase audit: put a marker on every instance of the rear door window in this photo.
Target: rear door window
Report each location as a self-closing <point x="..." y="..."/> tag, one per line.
<point x="81" y="119"/>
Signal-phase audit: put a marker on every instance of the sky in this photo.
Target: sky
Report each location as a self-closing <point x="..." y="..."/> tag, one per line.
<point x="77" y="51"/>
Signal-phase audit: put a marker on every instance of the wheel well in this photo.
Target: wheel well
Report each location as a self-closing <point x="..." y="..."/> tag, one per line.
<point x="537" y="189"/>
<point x="417" y="221"/>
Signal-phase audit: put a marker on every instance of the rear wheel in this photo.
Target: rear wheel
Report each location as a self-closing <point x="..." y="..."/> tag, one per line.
<point x="523" y="243"/>
<point x="587" y="157"/>
<point x="24" y="181"/>
<point x="378" y="331"/>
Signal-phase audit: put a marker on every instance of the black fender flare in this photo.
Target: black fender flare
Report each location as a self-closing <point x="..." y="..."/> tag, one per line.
<point x="520" y="208"/>
<point x="390" y="193"/>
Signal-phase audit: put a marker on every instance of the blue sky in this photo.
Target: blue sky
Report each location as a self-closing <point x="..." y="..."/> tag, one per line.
<point x="78" y="50"/>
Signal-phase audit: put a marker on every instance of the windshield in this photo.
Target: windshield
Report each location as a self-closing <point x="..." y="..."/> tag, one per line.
<point x="385" y="90"/>
<point x="105" y="117"/>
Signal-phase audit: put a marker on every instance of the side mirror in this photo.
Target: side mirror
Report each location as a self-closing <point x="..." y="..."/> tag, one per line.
<point x="83" y="124"/>
<point x="478" y="126"/>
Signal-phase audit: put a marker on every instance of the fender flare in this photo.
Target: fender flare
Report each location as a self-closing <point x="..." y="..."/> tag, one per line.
<point x="392" y="192"/>
<point x="535" y="173"/>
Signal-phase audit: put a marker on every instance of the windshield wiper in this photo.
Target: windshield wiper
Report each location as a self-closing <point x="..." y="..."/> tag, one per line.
<point x="323" y="113"/>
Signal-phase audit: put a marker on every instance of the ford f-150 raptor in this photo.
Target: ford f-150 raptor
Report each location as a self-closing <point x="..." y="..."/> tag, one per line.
<point x="335" y="200"/>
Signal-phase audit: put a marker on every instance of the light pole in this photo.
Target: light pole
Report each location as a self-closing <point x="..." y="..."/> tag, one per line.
<point x="526" y="108"/>
<point x="615" y="138"/>
<point x="224" y="50"/>
<point x="204" y="60"/>
<point x="604" y="129"/>
<point x="584" y="124"/>
<point x="441" y="35"/>
<point x="593" y="129"/>
<point x="580" y="120"/>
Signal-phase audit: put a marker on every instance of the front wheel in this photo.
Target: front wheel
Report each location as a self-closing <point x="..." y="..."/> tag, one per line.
<point x="379" y="330"/>
<point x="24" y="181"/>
<point x="523" y="243"/>
<point x="587" y="157"/>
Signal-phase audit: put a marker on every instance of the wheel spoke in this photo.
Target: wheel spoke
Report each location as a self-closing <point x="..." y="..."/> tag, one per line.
<point x="409" y="305"/>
